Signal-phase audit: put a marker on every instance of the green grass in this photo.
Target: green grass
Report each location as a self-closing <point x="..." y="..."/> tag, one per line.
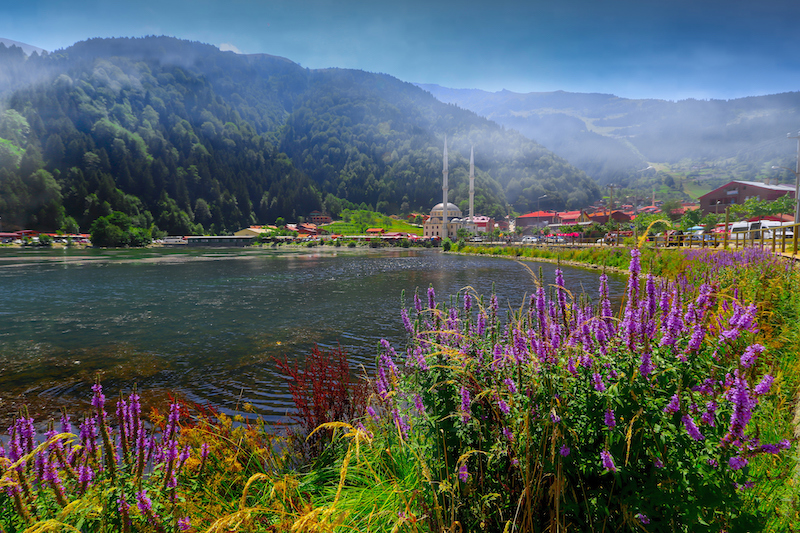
<point x="359" y="225"/>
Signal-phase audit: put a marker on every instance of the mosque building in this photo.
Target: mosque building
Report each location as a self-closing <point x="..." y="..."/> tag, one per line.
<point x="446" y="223"/>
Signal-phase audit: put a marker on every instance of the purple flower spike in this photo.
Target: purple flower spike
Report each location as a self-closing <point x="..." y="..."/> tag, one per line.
<point x="610" y="419"/>
<point x="764" y="385"/>
<point x="431" y="298"/>
<point x="750" y="355"/>
<point x="691" y="428"/>
<point x="503" y="406"/>
<point x="597" y="380"/>
<point x="467" y="301"/>
<point x="406" y="321"/>
<point x="674" y="405"/>
<point x="512" y="387"/>
<point x="465" y="404"/>
<point x="564" y="451"/>
<point x="463" y="473"/>
<point x="737" y="463"/>
<point x="608" y="461"/>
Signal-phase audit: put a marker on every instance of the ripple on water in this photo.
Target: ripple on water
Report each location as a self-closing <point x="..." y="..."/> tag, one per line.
<point x="208" y="325"/>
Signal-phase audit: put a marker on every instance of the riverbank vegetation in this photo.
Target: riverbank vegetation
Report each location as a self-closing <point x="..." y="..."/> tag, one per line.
<point x="673" y="413"/>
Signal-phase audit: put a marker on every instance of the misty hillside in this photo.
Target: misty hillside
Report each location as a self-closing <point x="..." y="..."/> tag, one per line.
<point x="612" y="138"/>
<point x="27" y="48"/>
<point x="189" y="138"/>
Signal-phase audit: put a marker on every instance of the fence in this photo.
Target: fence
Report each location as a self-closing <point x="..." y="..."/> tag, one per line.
<point x="781" y="239"/>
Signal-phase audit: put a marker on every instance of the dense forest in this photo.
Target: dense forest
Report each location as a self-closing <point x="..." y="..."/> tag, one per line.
<point x="184" y="138"/>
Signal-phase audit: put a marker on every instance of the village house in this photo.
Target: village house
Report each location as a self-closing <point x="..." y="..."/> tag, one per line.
<point x="738" y="192"/>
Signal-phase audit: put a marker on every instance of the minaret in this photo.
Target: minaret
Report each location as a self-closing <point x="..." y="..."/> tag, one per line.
<point x="471" y="185"/>
<point x="444" y="191"/>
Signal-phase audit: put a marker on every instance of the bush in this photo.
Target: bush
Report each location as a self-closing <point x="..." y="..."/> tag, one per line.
<point x="572" y="418"/>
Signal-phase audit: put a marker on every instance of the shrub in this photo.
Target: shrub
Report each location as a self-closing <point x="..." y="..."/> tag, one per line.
<point x="568" y="417"/>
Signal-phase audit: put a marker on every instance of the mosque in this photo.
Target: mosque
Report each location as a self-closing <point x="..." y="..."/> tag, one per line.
<point x="443" y="224"/>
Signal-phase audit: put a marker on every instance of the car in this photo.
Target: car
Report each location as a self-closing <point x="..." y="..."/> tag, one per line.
<point x="529" y="239"/>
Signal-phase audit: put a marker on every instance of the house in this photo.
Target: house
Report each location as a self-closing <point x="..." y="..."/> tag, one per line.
<point x="572" y="218"/>
<point x="536" y="219"/>
<point x="483" y="224"/>
<point x="318" y="218"/>
<point x="603" y="216"/>
<point x="375" y="231"/>
<point x="255" y="231"/>
<point x="737" y="192"/>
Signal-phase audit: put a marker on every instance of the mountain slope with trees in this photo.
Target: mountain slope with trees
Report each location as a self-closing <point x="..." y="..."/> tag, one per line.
<point x="612" y="139"/>
<point x="183" y="138"/>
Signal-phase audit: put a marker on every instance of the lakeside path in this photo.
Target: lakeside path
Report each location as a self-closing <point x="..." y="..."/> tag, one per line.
<point x="554" y="261"/>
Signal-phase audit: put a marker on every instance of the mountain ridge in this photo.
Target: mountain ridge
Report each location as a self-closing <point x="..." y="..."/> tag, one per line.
<point x="184" y="136"/>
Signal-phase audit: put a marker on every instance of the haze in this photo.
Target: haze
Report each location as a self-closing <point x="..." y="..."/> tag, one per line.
<point x="631" y="48"/>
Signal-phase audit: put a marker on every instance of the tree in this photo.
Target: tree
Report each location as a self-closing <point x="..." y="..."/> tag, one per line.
<point x="669" y="206"/>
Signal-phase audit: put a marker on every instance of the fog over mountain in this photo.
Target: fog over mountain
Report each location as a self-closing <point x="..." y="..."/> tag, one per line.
<point x="612" y="139"/>
<point x="27" y="48"/>
<point x="189" y="138"/>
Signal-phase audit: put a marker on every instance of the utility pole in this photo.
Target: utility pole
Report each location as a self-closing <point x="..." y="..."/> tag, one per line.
<point x="796" y="180"/>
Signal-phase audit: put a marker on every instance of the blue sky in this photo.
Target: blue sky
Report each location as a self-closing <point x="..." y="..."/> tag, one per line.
<point x="671" y="49"/>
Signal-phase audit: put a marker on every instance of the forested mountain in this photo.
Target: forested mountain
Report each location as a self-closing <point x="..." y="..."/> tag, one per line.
<point x="189" y="138"/>
<point x="613" y="138"/>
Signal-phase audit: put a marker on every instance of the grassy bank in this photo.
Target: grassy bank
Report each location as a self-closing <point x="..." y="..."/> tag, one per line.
<point x="673" y="413"/>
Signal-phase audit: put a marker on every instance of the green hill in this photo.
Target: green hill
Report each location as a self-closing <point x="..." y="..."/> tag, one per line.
<point x="189" y="138"/>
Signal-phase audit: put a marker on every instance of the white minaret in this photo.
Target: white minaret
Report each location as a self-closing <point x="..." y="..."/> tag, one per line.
<point x="471" y="185"/>
<point x="444" y="192"/>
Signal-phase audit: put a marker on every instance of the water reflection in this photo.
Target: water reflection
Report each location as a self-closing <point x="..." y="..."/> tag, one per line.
<point x="207" y="324"/>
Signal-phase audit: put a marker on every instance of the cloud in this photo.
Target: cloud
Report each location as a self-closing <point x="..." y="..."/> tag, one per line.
<point x="228" y="47"/>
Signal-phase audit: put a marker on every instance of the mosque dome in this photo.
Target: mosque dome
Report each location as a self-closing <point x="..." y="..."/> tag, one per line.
<point x="452" y="210"/>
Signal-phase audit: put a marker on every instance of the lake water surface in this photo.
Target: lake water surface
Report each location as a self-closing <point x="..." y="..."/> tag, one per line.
<point x="208" y="323"/>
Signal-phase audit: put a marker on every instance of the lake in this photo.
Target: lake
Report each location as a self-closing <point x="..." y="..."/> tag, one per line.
<point x="206" y="324"/>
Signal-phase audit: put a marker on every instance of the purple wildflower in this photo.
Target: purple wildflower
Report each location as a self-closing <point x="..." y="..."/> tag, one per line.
<point x="371" y="412"/>
<point x="204" y="448"/>
<point x="512" y="387"/>
<point x="608" y="461"/>
<point x="642" y="518"/>
<point x="737" y="462"/>
<point x="185" y="523"/>
<point x="554" y="417"/>
<point x="465" y="404"/>
<point x="507" y="433"/>
<point x="98" y="399"/>
<point x="691" y="428"/>
<point x="610" y="419"/>
<point x="646" y="364"/>
<point x="658" y="463"/>
<point x="597" y="380"/>
<point x="481" y="325"/>
<point x="673" y="406"/>
<point x="431" y="298"/>
<point x="708" y="416"/>
<point x="463" y="473"/>
<point x="764" y="385"/>
<point x="418" y="404"/>
<point x="750" y="355"/>
<point x="503" y="406"/>
<point x="406" y="321"/>
<point x="417" y="303"/>
<point x="564" y="451"/>
<point x="742" y="406"/>
<point x="144" y="503"/>
<point x="467" y="301"/>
